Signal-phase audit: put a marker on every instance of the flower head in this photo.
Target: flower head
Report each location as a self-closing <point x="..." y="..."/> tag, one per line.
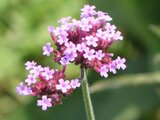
<point x="84" y="42"/>
<point x="50" y="84"/>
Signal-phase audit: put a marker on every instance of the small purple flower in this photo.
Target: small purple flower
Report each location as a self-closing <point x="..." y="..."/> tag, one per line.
<point x="112" y="67"/>
<point x="31" y="79"/>
<point x="101" y="34"/>
<point x="110" y="28"/>
<point x="104" y="71"/>
<point x="75" y="83"/>
<point x="64" y="20"/>
<point x="84" y="24"/>
<point x="47" y="49"/>
<point x="51" y="29"/>
<point x="64" y="60"/>
<point x="30" y="65"/>
<point x="60" y="31"/>
<point x="87" y="11"/>
<point x="45" y="102"/>
<point x="89" y="54"/>
<point x="103" y="16"/>
<point x="67" y="26"/>
<point x="71" y="56"/>
<point x="47" y="73"/>
<point x="75" y="22"/>
<point x="93" y="21"/>
<point x="23" y="89"/>
<point x="99" y="54"/>
<point x="71" y="47"/>
<point x="120" y="63"/>
<point x="91" y="41"/>
<point x="36" y="70"/>
<point x="118" y="36"/>
<point x="63" y="85"/>
<point x="62" y="39"/>
<point x="81" y="47"/>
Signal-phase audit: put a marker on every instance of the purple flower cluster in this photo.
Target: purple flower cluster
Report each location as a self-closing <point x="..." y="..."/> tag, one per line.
<point x="45" y="82"/>
<point x="83" y="42"/>
<point x="86" y="41"/>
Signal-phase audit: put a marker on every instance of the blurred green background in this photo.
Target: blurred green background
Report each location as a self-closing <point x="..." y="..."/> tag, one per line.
<point x="133" y="94"/>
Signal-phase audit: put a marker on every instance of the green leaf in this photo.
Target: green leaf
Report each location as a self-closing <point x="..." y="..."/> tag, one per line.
<point x="126" y="81"/>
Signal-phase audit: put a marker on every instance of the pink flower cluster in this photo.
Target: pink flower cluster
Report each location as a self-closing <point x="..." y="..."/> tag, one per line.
<point x="86" y="41"/>
<point x="50" y="84"/>
<point x="83" y="42"/>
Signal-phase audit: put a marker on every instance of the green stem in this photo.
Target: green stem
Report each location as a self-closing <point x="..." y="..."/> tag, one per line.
<point x="86" y="95"/>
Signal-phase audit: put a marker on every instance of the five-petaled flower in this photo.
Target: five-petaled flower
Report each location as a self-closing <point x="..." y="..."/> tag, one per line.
<point x="75" y="83"/>
<point x="31" y="79"/>
<point x="63" y="85"/>
<point x="47" y="49"/>
<point x="45" y="102"/>
<point x="30" y="65"/>
<point x="47" y="73"/>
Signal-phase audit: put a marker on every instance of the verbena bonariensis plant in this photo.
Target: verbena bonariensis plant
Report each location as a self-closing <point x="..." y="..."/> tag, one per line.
<point x="83" y="42"/>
